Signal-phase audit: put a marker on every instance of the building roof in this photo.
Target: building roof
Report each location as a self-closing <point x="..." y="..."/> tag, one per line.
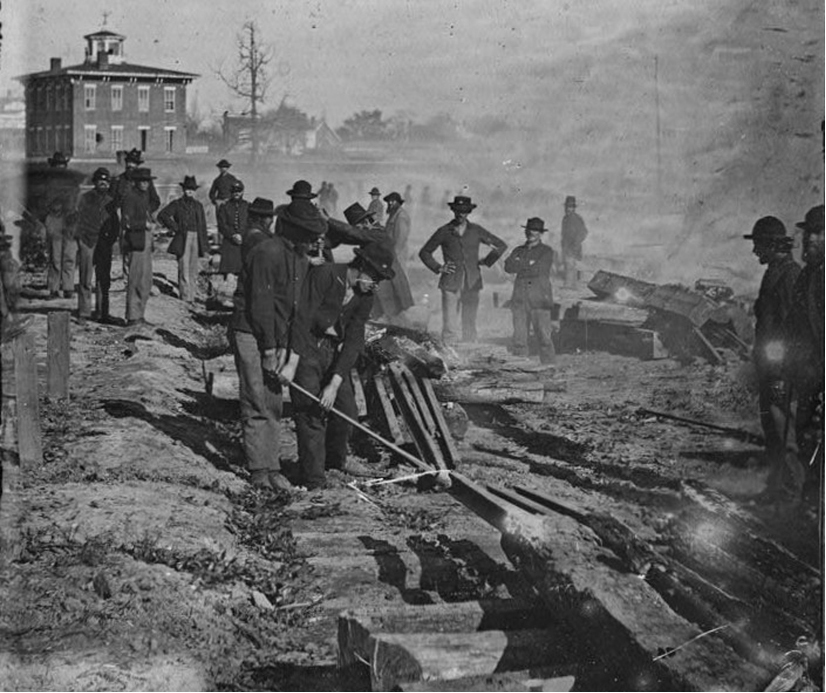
<point x="119" y="70"/>
<point x="104" y="32"/>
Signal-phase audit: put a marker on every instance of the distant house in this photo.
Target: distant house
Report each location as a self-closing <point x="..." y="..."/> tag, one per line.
<point x="105" y="105"/>
<point x="323" y="137"/>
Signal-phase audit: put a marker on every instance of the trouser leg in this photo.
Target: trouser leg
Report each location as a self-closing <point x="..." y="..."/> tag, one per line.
<point x="55" y="245"/>
<point x="470" y="307"/>
<point x="450" y="308"/>
<point x="85" y="257"/>
<point x="338" y="430"/>
<point x="186" y="275"/>
<point x="103" y="277"/>
<point x="541" y="320"/>
<point x="777" y="417"/>
<point x="520" y="330"/>
<point x="310" y="421"/>
<point x="261" y="405"/>
<point x="67" y="265"/>
<point x="139" y="284"/>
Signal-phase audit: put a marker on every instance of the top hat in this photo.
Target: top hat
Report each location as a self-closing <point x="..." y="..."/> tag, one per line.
<point x="461" y="203"/>
<point x="142" y="174"/>
<point x="375" y="191"/>
<point x="223" y="163"/>
<point x="378" y="258"/>
<point x="302" y="190"/>
<point x="237" y="186"/>
<point x="767" y="229"/>
<point x="394" y="197"/>
<point x="58" y="159"/>
<point x="134" y="156"/>
<point x="570" y="201"/>
<point x="262" y="207"/>
<point x="813" y="223"/>
<point x="101" y="174"/>
<point x="189" y="183"/>
<point x="535" y="224"/>
<point x="355" y="214"/>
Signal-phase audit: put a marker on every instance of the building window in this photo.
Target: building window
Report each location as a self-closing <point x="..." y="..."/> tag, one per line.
<point x="117" y="138"/>
<point x="49" y="95"/>
<point x="169" y="139"/>
<point x="41" y="141"/>
<point x="89" y="96"/>
<point x="58" y="97"/>
<point x="117" y="97"/>
<point x="90" y="138"/>
<point x="169" y="99"/>
<point x="67" y="95"/>
<point x="50" y="141"/>
<point x="143" y="136"/>
<point x="143" y="99"/>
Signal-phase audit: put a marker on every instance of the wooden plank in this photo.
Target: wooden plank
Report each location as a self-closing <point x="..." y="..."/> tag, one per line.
<point x="57" y="355"/>
<point x="613" y="337"/>
<point x="421" y="402"/>
<point x="389" y="415"/>
<point x="29" y="436"/>
<point x="707" y="348"/>
<point x="452" y="454"/>
<point x="358" y="393"/>
<point x="539" y="679"/>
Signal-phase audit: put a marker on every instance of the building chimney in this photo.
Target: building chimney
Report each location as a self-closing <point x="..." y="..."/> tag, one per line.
<point x="55" y="64"/>
<point x="103" y="59"/>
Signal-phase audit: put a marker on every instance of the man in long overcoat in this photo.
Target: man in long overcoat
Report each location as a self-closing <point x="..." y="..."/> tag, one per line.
<point x="393" y="297"/>
<point x="460" y="279"/>
<point x="232" y="224"/>
<point x="573" y="234"/>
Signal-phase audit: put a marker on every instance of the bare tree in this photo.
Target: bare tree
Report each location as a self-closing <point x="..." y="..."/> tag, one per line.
<point x="249" y="78"/>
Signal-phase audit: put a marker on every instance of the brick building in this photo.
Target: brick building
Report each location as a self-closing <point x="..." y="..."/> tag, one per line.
<point x="105" y="105"/>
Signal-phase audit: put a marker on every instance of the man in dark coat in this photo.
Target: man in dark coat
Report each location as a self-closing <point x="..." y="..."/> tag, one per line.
<point x="771" y="352"/>
<point x="232" y="223"/>
<point x="532" y="297"/>
<point x="806" y="327"/>
<point x="273" y="269"/>
<point x="393" y="297"/>
<point x="221" y="189"/>
<point x="327" y="339"/>
<point x="460" y="278"/>
<point x="376" y="208"/>
<point x="96" y="226"/>
<point x="185" y="217"/>
<point x="572" y="236"/>
<point x="137" y="223"/>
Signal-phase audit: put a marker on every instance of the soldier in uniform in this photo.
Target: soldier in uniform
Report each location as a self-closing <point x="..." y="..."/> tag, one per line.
<point x="770" y="355"/>
<point x="232" y="224"/>
<point x="221" y="189"/>
<point x="460" y="278"/>
<point x="532" y="298"/>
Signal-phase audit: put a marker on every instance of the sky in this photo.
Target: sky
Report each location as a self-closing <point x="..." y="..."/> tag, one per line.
<point x="332" y="58"/>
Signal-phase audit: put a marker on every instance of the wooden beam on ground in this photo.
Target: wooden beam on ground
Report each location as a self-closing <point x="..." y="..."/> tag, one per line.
<point x="57" y="355"/>
<point x="358" y="393"/>
<point x="452" y="454"/>
<point x="29" y="436"/>
<point x="418" y="396"/>
<point x="388" y="414"/>
<point x="612" y="337"/>
<point x="541" y="679"/>
<point x="707" y="348"/>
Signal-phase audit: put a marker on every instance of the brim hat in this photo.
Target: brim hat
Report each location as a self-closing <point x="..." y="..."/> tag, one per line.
<point x="394" y="197"/>
<point x="570" y="201"/>
<point x="535" y="224"/>
<point x="375" y="191"/>
<point x="767" y="229"/>
<point x="461" y="203"/>
<point x="377" y="258"/>
<point x="58" y="159"/>
<point x="302" y="190"/>
<point x="813" y="223"/>
<point x="142" y="174"/>
<point x="223" y="163"/>
<point x="189" y="183"/>
<point x="134" y="156"/>
<point x="262" y="207"/>
<point x="355" y="214"/>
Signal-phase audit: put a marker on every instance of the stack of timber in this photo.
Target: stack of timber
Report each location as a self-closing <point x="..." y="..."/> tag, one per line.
<point x="678" y="321"/>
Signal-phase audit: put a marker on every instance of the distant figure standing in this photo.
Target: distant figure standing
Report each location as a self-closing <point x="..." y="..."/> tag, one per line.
<point x="532" y="298"/>
<point x="460" y="278"/>
<point x="376" y="208"/>
<point x="408" y="195"/>
<point x="137" y="222"/>
<point x="62" y="247"/>
<point x="221" y="189"/>
<point x="332" y="200"/>
<point x="772" y="311"/>
<point x="232" y="225"/>
<point x="572" y="237"/>
<point x="324" y="196"/>
<point x="185" y="217"/>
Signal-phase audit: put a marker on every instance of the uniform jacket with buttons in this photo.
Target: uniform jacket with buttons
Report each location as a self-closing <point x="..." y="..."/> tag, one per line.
<point x="532" y="267"/>
<point x="232" y="219"/>
<point x="464" y="252"/>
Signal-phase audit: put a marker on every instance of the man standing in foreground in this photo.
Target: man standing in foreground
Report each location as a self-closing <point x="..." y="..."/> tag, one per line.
<point x="460" y="278"/>
<point x="328" y="338"/>
<point x="185" y="217"/>
<point x="393" y="297"/>
<point x="771" y="353"/>
<point x="572" y="236"/>
<point x="137" y="222"/>
<point x="532" y="298"/>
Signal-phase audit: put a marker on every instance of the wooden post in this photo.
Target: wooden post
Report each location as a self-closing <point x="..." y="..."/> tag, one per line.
<point x="29" y="439"/>
<point x="57" y="356"/>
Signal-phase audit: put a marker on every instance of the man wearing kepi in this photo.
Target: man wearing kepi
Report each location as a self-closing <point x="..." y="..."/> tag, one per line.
<point x="328" y="337"/>
<point x="273" y="268"/>
<point x="137" y="222"/>
<point x="95" y="216"/>
<point x="232" y="224"/>
<point x="185" y="217"/>
<point x="460" y="278"/>
<point x="532" y="297"/>
<point x="771" y="352"/>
